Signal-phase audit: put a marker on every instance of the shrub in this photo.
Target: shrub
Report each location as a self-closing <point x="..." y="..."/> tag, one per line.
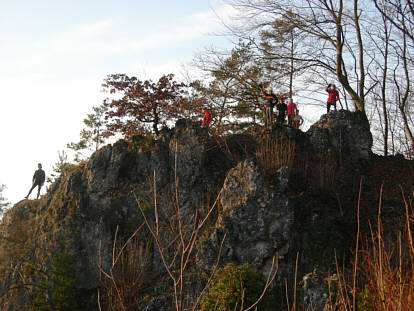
<point x="58" y="289"/>
<point x="235" y="287"/>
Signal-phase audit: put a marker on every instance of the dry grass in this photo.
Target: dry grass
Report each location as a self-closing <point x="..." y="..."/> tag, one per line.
<point x="122" y="285"/>
<point x="388" y="267"/>
<point x="275" y="152"/>
<point x="383" y="274"/>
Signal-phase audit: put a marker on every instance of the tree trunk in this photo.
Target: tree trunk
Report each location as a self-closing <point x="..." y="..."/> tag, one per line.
<point x="383" y="88"/>
<point x="156" y="121"/>
<point x="340" y="66"/>
<point x="291" y="66"/>
<point x="407" y="127"/>
<point x="404" y="101"/>
<point x="361" y="84"/>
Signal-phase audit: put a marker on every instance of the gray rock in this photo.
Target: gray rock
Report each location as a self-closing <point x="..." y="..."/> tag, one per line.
<point x="82" y="209"/>
<point x="256" y="221"/>
<point x="316" y="291"/>
<point x="346" y="133"/>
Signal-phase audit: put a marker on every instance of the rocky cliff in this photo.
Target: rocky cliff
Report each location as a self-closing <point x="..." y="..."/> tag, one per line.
<point x="279" y="191"/>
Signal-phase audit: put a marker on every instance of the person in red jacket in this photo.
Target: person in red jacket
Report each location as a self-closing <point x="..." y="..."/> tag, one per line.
<point x="333" y="97"/>
<point x="292" y="112"/>
<point x="207" y="118"/>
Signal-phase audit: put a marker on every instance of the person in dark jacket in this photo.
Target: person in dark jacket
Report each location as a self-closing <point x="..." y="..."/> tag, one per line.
<point x="281" y="108"/>
<point x="333" y="97"/>
<point x="38" y="180"/>
<point x="271" y="101"/>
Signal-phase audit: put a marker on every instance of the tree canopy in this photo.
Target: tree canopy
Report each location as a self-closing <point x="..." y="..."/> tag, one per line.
<point x="138" y="105"/>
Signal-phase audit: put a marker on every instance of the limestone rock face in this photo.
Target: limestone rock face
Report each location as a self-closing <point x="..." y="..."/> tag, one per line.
<point x="256" y="215"/>
<point x="82" y="210"/>
<point x="256" y="221"/>
<point x="347" y="133"/>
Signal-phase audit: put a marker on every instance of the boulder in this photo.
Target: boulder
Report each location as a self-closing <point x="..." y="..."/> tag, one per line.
<point x="346" y="133"/>
<point x="255" y="222"/>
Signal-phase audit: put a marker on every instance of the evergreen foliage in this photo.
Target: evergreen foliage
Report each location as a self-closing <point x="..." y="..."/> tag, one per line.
<point x="60" y="166"/>
<point x="91" y="137"/>
<point x="3" y="201"/>
<point x="57" y="291"/>
<point x="236" y="287"/>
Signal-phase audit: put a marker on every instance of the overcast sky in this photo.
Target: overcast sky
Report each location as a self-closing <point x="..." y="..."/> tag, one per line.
<point x="54" y="56"/>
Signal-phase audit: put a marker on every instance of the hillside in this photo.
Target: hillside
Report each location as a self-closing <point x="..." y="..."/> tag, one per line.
<point x="188" y="200"/>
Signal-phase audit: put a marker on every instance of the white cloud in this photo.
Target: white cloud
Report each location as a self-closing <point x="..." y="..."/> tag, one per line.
<point x="106" y="36"/>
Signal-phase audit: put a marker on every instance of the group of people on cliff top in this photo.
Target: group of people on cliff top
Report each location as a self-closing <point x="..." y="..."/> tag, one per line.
<point x="284" y="110"/>
<point x="291" y="110"/>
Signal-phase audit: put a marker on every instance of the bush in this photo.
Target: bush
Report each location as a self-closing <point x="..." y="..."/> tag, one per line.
<point x="235" y="287"/>
<point x="59" y="288"/>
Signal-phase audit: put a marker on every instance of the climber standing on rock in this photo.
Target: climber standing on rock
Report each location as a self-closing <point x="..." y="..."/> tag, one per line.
<point x="38" y="180"/>
<point x="271" y="101"/>
<point x="333" y="97"/>
<point x="292" y="111"/>
<point x="298" y="121"/>
<point x="206" y="118"/>
<point x="281" y="108"/>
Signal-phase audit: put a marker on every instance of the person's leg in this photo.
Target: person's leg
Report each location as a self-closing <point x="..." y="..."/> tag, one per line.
<point x="269" y="115"/>
<point x="328" y="107"/>
<point x="279" y="118"/>
<point x="295" y="123"/>
<point x="38" y="191"/>
<point x="334" y="104"/>
<point x="30" y="191"/>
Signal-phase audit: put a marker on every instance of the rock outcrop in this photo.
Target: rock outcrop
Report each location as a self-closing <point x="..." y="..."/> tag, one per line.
<point x="346" y="133"/>
<point x="258" y="214"/>
<point x="256" y="222"/>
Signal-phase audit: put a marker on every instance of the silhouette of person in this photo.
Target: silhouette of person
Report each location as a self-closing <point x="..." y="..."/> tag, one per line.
<point x="281" y="108"/>
<point x="271" y="101"/>
<point x="38" y="180"/>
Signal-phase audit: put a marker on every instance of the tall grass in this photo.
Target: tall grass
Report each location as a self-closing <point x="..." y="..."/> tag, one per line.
<point x="275" y="152"/>
<point x="383" y="274"/>
<point x="388" y="267"/>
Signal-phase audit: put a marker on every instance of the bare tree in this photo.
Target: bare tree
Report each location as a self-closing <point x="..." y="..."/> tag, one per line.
<point x="400" y="13"/>
<point x="333" y="41"/>
<point x="380" y="37"/>
<point x="404" y="90"/>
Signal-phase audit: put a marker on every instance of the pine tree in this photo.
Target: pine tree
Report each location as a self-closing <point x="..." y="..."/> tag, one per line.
<point x="59" y="167"/>
<point x="91" y="137"/>
<point x="3" y="201"/>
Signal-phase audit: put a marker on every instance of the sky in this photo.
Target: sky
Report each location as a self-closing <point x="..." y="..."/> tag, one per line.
<point x="54" y="56"/>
